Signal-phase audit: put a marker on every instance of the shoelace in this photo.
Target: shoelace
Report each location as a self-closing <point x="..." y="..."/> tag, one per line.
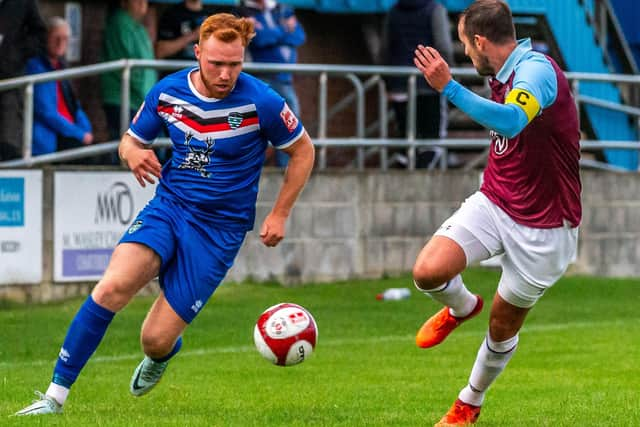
<point x="40" y="395"/>
<point x="152" y="371"/>
<point x="445" y="320"/>
<point x="43" y="397"/>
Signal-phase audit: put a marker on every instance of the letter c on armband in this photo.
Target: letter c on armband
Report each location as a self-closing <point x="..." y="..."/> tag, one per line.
<point x="524" y="100"/>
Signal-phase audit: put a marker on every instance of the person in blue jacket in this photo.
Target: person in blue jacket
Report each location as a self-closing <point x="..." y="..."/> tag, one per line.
<point x="59" y="122"/>
<point x="278" y="35"/>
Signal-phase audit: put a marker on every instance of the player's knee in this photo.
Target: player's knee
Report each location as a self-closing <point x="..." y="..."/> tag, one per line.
<point x="156" y="344"/>
<point x="110" y="295"/>
<point x="426" y="276"/>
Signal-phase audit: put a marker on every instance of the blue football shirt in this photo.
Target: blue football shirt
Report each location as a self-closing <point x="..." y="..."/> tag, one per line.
<point x="218" y="144"/>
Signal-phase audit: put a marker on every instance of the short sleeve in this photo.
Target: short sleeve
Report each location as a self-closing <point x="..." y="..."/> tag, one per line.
<point x="279" y="124"/>
<point x="147" y="124"/>
<point x="537" y="76"/>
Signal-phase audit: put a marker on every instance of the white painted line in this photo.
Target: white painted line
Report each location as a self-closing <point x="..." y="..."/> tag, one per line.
<point x="325" y="343"/>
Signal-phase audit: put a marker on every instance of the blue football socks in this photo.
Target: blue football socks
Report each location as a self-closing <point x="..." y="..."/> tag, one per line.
<point x="176" y="348"/>
<point x="83" y="337"/>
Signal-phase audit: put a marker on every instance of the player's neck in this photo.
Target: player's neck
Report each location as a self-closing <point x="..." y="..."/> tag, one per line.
<point x="501" y="55"/>
<point x="198" y="84"/>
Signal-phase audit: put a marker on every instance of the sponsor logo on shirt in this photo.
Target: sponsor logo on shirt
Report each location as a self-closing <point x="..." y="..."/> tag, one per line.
<point x="177" y="111"/>
<point x="500" y="143"/>
<point x="288" y="118"/>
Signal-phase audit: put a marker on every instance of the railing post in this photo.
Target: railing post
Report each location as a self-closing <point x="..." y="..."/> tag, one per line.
<point x="384" y="122"/>
<point x="411" y="122"/>
<point x="27" y="122"/>
<point x="360" y="114"/>
<point x="322" y="118"/>
<point x="575" y="87"/>
<point x="124" y="98"/>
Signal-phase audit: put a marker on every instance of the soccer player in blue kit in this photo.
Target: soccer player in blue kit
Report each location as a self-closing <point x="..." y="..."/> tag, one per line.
<point x="220" y="121"/>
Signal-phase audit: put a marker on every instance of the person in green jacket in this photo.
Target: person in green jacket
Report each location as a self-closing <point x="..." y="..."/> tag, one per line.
<point x="126" y="37"/>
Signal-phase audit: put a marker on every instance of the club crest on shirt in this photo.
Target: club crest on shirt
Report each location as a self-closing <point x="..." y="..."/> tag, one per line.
<point x="235" y="119"/>
<point x="288" y="118"/>
<point x="198" y="158"/>
<point x="500" y="143"/>
<point x="135" y="227"/>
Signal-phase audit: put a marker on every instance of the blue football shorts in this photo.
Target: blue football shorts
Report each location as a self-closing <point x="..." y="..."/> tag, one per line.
<point x="195" y="253"/>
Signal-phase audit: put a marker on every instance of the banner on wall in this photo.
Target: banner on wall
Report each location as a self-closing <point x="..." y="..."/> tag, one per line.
<point x="20" y="227"/>
<point x="91" y="212"/>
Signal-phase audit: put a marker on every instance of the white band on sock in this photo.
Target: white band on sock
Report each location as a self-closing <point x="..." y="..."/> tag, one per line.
<point x="502" y="346"/>
<point x="454" y="295"/>
<point x="58" y="392"/>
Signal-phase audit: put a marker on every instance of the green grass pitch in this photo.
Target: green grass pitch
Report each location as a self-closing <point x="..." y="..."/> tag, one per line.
<point x="578" y="362"/>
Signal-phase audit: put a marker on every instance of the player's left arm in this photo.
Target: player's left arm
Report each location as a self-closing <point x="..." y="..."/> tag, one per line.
<point x="302" y="156"/>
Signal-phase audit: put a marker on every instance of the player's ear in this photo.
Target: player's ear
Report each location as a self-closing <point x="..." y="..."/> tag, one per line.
<point x="196" y="50"/>
<point x="479" y="42"/>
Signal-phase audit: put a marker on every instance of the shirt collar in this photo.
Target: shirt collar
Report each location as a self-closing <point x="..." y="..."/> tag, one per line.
<point x="524" y="46"/>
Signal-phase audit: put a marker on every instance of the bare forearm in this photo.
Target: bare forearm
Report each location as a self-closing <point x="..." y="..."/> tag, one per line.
<point x="296" y="176"/>
<point x="128" y="144"/>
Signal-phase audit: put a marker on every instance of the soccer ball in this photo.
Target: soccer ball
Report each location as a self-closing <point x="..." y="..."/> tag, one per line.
<point x="285" y="334"/>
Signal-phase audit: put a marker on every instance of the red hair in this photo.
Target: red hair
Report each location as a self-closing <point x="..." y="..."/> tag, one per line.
<point x="227" y="28"/>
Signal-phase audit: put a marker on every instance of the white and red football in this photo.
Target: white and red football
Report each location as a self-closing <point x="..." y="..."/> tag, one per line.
<point x="285" y="334"/>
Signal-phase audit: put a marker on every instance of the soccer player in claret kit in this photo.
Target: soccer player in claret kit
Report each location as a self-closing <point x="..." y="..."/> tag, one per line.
<point x="220" y="121"/>
<point x="528" y="207"/>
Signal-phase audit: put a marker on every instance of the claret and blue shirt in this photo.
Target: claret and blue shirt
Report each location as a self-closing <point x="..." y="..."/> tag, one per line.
<point x="532" y="171"/>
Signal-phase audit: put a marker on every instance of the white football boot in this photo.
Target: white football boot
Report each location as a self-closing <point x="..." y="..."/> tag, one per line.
<point x="146" y="376"/>
<point x="42" y="405"/>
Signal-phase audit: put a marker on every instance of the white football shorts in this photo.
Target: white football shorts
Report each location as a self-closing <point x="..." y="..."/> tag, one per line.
<point x="532" y="259"/>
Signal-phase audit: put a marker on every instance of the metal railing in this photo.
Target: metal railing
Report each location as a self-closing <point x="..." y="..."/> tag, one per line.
<point x="354" y="74"/>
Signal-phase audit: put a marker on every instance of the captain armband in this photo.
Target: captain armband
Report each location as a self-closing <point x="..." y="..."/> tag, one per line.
<point x="524" y="100"/>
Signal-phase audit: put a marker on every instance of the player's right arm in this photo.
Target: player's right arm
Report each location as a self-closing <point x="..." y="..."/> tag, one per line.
<point x="135" y="146"/>
<point x="142" y="161"/>
<point x="534" y="88"/>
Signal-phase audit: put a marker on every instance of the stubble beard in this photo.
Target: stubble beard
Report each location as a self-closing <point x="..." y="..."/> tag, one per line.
<point x="483" y="67"/>
<point x="211" y="88"/>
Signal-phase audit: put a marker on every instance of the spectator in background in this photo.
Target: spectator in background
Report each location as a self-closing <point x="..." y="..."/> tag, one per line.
<point x="22" y="35"/>
<point x="126" y="37"/>
<point x="178" y="29"/>
<point x="59" y="122"/>
<point x="278" y="34"/>
<point x="409" y="23"/>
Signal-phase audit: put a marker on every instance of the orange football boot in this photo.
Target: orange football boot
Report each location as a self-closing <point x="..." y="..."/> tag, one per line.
<point x="460" y="414"/>
<point x="441" y="324"/>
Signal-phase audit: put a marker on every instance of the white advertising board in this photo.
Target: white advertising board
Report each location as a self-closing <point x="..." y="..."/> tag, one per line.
<point x="20" y="227"/>
<point x="91" y="212"/>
